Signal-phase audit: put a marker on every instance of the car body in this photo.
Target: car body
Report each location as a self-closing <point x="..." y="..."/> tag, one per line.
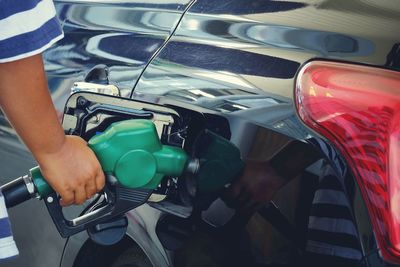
<point x="235" y="59"/>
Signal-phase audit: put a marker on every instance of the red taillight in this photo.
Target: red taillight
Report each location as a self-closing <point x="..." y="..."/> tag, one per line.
<point x="357" y="108"/>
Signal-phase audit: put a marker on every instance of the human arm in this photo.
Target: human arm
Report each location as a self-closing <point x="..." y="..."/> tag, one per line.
<point x="66" y="162"/>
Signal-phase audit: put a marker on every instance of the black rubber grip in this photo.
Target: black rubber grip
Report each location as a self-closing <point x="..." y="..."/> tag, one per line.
<point x="15" y="192"/>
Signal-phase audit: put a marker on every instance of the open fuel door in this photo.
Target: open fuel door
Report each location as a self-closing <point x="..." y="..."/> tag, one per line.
<point x="162" y="155"/>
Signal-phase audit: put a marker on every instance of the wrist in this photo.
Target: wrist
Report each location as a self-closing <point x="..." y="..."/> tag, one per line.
<point x="53" y="149"/>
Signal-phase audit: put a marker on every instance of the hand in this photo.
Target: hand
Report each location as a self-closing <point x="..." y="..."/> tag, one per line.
<point x="255" y="188"/>
<point x="69" y="166"/>
<point x="73" y="171"/>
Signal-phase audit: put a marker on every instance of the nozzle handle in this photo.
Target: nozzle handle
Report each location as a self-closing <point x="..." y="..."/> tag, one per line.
<point x="15" y="192"/>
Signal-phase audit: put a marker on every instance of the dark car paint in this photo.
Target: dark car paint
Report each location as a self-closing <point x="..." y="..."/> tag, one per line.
<point x="238" y="58"/>
<point x="222" y="47"/>
<point x="218" y="45"/>
<point x="104" y="33"/>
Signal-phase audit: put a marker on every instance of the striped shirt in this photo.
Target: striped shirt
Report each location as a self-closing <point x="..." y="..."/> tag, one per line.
<point x="331" y="228"/>
<point x="332" y="238"/>
<point x="8" y="249"/>
<point x="27" y="28"/>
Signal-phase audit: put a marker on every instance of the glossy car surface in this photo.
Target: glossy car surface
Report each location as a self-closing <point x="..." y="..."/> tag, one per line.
<point x="237" y="59"/>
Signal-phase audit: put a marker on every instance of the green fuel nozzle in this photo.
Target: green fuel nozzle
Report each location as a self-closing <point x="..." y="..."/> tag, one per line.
<point x="131" y="152"/>
<point x="135" y="162"/>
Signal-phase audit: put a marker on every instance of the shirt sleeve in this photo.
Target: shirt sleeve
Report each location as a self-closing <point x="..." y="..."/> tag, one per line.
<point x="8" y="248"/>
<point x="27" y="28"/>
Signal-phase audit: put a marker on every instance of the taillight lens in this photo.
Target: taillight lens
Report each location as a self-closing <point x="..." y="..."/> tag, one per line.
<point x="357" y="108"/>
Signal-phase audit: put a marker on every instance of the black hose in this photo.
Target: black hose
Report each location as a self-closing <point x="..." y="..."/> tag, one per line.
<point x="15" y="192"/>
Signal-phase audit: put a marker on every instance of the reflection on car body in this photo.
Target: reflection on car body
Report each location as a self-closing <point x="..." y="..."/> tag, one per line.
<point x="229" y="67"/>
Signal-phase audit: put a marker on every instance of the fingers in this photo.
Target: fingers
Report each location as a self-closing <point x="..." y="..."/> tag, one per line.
<point x="73" y="171"/>
<point x="95" y="185"/>
<point x="90" y="189"/>
<point x="80" y="195"/>
<point x="67" y="198"/>
<point x="100" y="180"/>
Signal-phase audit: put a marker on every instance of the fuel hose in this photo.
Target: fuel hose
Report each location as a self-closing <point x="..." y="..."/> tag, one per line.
<point x="17" y="191"/>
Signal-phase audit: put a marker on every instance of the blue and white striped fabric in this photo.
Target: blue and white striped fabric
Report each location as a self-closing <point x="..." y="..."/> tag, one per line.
<point x="27" y="28"/>
<point x="8" y="249"/>
<point x="333" y="238"/>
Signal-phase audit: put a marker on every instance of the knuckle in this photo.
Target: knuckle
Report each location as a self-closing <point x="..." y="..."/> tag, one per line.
<point x="87" y="177"/>
<point x="67" y="198"/>
<point x="100" y="182"/>
<point x="101" y="186"/>
<point x="66" y="195"/>
<point x="65" y="188"/>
